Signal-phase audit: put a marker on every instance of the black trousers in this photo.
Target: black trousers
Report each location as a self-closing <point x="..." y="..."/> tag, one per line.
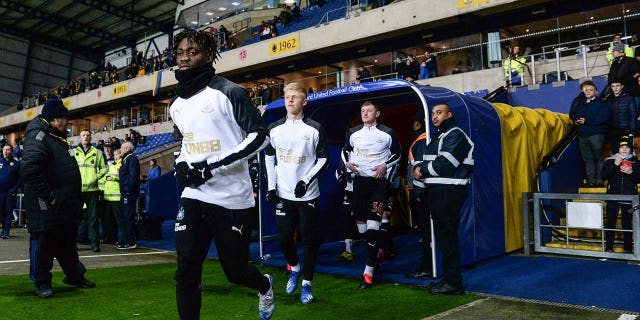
<point x="305" y="214"/>
<point x="196" y="225"/>
<point x="348" y="222"/>
<point x="445" y="202"/>
<point x="612" y="218"/>
<point x="419" y="205"/>
<point x="59" y="244"/>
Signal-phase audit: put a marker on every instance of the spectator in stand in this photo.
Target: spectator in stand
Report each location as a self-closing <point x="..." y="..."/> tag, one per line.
<point x="296" y="12"/>
<point x="399" y="68"/>
<point x="591" y="116"/>
<point x="154" y="170"/>
<point x="266" y="32"/>
<point x="623" y="114"/>
<point x="266" y="94"/>
<point x="363" y="74"/>
<point x="124" y="120"/>
<point x="141" y="71"/>
<point x="131" y="71"/>
<point x="431" y="63"/>
<point x="622" y="171"/>
<point x="286" y="16"/>
<point x="224" y="31"/>
<point x="412" y="69"/>
<point x="114" y="77"/>
<point x="632" y="78"/>
<point x="620" y="64"/>
<point x="424" y="74"/>
<point x="617" y="40"/>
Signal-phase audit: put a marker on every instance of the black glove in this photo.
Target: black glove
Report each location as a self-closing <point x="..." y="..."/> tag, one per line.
<point x="192" y="177"/>
<point x="301" y="189"/>
<point x="199" y="174"/>
<point x="272" y="196"/>
<point x="182" y="171"/>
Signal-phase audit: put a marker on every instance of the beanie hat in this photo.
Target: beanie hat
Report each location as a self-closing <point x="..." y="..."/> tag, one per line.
<point x="618" y="46"/>
<point x="53" y="108"/>
<point x="626" y="141"/>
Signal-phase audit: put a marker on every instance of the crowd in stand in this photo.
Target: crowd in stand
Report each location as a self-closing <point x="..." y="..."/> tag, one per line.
<point x="611" y="114"/>
<point x="107" y="75"/>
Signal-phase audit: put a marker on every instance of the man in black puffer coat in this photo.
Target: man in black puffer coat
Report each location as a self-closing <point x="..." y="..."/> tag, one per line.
<point x="52" y="198"/>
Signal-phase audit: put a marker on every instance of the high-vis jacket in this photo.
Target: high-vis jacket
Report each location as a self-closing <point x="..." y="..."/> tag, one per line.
<point x="448" y="159"/>
<point x="111" y="188"/>
<point x="92" y="167"/>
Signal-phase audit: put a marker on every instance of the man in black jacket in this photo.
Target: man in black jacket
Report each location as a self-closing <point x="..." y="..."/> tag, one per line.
<point x="52" y="198"/>
<point x="129" y="177"/>
<point x="448" y="162"/>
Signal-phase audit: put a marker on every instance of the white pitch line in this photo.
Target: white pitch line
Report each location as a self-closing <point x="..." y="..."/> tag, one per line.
<point x="99" y="256"/>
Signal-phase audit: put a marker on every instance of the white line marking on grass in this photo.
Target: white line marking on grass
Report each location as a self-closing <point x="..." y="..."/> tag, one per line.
<point x="99" y="256"/>
<point x="625" y="316"/>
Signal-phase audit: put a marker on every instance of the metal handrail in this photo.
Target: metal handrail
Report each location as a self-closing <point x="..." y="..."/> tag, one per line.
<point x="580" y="43"/>
<point x="537" y="199"/>
<point x="325" y="16"/>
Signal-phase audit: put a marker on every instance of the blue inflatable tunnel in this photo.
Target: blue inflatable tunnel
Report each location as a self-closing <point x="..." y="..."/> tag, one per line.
<point x="482" y="230"/>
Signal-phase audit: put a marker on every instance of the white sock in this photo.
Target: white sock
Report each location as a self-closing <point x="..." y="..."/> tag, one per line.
<point x="306" y="282"/>
<point x="369" y="270"/>
<point x="296" y="268"/>
<point x="347" y="244"/>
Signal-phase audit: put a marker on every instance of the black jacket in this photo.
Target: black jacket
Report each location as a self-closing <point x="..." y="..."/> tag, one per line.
<point x="618" y="182"/>
<point x="437" y="166"/>
<point x="129" y="176"/>
<point x="50" y="172"/>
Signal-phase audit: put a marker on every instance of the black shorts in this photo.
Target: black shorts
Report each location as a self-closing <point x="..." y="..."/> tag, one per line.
<point x="370" y="196"/>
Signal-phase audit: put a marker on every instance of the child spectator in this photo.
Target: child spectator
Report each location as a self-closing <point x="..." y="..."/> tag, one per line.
<point x="590" y="116"/>
<point x="622" y="171"/>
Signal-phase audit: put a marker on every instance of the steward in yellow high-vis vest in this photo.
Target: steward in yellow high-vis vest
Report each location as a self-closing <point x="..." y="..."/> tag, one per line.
<point x="110" y="185"/>
<point x="92" y="167"/>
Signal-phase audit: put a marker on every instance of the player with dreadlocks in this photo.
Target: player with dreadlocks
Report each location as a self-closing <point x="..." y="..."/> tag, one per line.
<point x="220" y="129"/>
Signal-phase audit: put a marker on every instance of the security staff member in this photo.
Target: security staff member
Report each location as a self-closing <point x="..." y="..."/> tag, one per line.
<point x="418" y="197"/>
<point x="447" y="164"/>
<point x="52" y="198"/>
<point x="514" y="66"/>
<point x="92" y="167"/>
<point x="9" y="183"/>
<point x="294" y="159"/>
<point x="110" y="186"/>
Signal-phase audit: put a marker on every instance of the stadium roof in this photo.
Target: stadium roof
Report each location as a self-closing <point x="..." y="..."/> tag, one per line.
<point x="87" y="27"/>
